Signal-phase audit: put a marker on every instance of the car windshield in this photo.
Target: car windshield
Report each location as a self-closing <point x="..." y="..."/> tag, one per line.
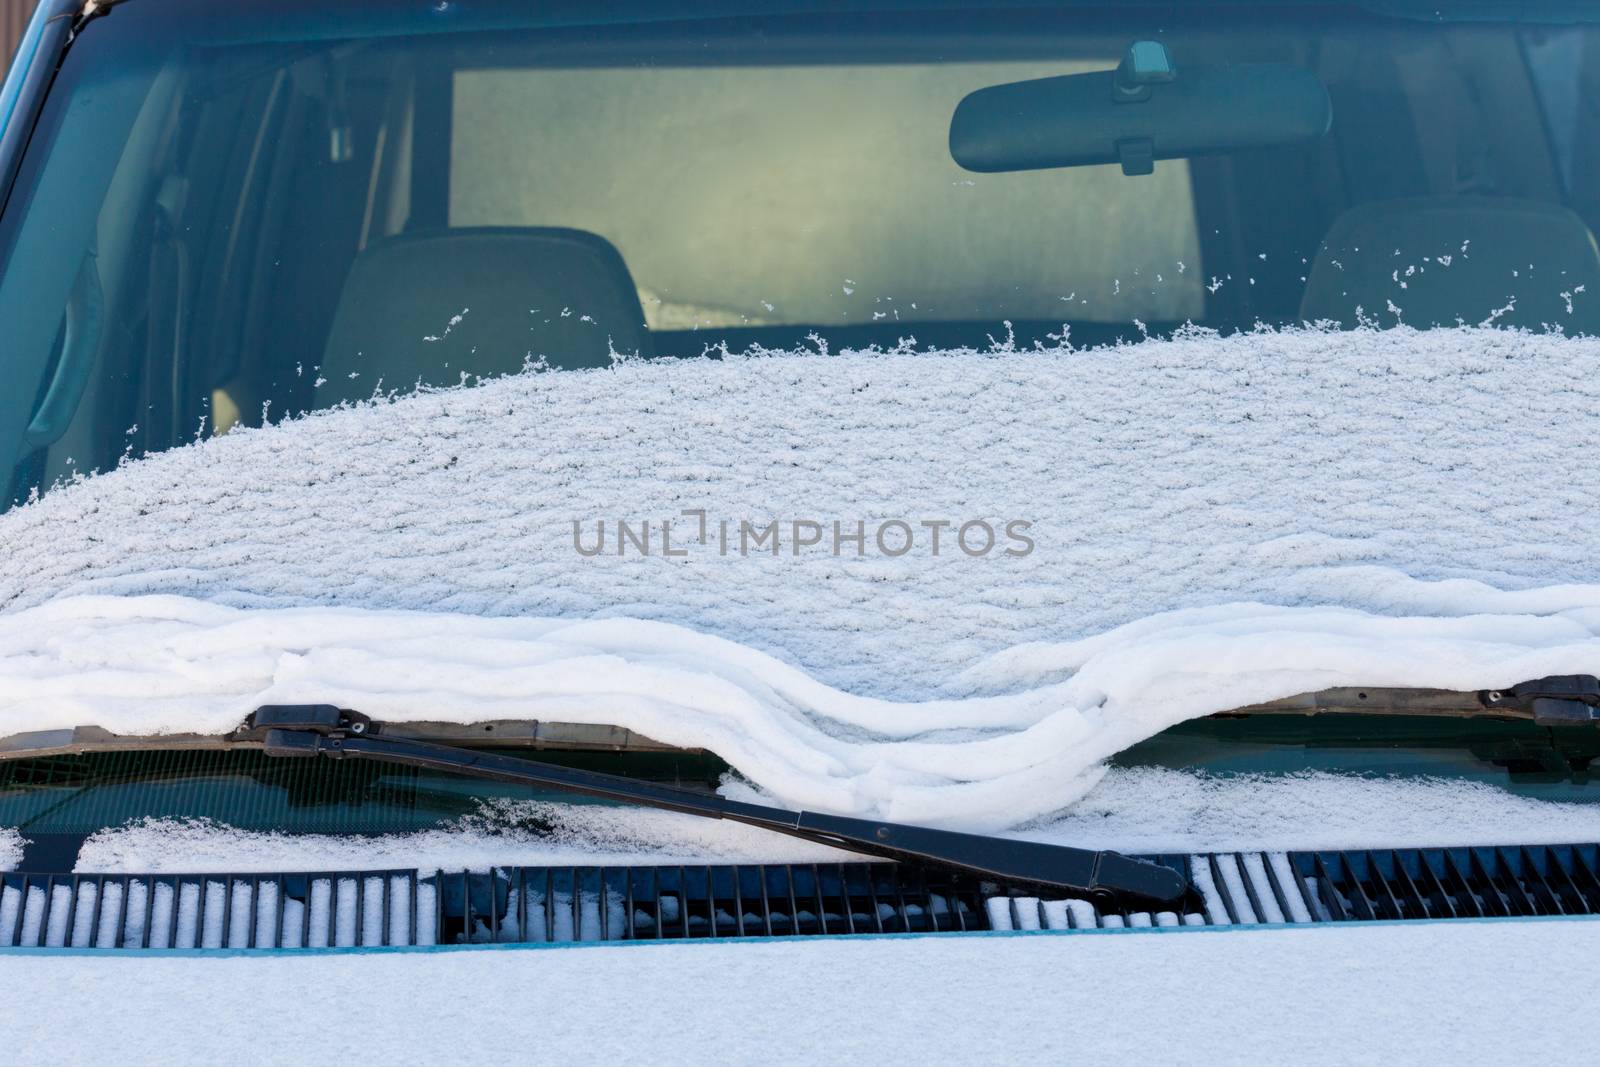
<point x="936" y="414"/>
<point x="227" y="216"/>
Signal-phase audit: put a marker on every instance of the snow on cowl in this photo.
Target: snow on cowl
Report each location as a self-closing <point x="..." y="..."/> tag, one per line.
<point x="1207" y="522"/>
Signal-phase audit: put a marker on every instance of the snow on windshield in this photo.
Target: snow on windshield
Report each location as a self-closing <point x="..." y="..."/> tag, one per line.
<point x="739" y="554"/>
<point x="1141" y="810"/>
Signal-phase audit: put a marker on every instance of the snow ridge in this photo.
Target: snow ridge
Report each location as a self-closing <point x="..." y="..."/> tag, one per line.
<point x="162" y="664"/>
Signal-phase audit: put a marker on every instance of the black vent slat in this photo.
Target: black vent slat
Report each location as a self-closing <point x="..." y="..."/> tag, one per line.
<point x="822" y="903"/>
<point x="1242" y="865"/>
<point x="1558" y="874"/>
<point x="574" y="889"/>
<point x="1538" y="888"/>
<point x="1416" y="903"/>
<point x="227" y="910"/>
<point x="954" y="908"/>
<point x="549" y="903"/>
<point x="1308" y="896"/>
<point x="1519" y="876"/>
<point x="712" y="922"/>
<point x="1230" y="908"/>
<point x="1279" y="892"/>
<point x="1476" y="904"/>
<point x="793" y="899"/>
<point x="1549" y="885"/>
<point x="1437" y="874"/>
<point x="1356" y="891"/>
<point x="1516" y="900"/>
<point x="413" y="911"/>
<point x="253" y="915"/>
<point x="44" y="918"/>
<point x="627" y="882"/>
<point x="99" y="904"/>
<point x="1510" y="900"/>
<point x="657" y="926"/>
<point x="766" y="902"/>
<point x="902" y="914"/>
<point x="120" y="931"/>
<point x="1389" y="904"/>
<point x="738" y="901"/>
<point x="847" y="900"/>
<point x="1332" y="903"/>
<point x="872" y="901"/>
<point x="1485" y="887"/>
<point x="383" y="906"/>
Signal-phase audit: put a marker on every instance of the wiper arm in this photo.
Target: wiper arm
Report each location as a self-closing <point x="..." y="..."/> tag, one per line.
<point x="324" y="730"/>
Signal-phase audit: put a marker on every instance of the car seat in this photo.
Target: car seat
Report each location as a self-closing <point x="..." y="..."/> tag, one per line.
<point x="430" y="307"/>
<point x="1440" y="261"/>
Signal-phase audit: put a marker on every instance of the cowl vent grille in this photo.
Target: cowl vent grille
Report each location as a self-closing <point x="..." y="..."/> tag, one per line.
<point x="557" y="905"/>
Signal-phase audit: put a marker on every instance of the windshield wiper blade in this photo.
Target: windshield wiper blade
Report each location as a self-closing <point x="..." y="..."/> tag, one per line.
<point x="325" y="730"/>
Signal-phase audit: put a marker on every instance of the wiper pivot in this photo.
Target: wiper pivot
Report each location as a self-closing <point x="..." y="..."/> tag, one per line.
<point x="1560" y="700"/>
<point x="325" y="730"/>
<point x="319" y="718"/>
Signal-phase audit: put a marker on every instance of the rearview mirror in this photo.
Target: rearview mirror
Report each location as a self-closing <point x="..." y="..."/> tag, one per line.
<point x="1143" y="111"/>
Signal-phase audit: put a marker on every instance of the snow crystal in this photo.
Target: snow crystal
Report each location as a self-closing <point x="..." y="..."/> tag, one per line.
<point x="1211" y="521"/>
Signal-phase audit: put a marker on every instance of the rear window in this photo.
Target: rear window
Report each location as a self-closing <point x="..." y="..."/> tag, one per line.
<point x="819" y="194"/>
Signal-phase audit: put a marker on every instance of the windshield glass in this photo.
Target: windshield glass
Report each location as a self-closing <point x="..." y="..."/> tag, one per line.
<point x="948" y="416"/>
<point x="228" y="217"/>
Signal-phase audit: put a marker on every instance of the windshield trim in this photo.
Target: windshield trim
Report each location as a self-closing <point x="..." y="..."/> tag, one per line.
<point x="259" y="21"/>
<point x="1372" y="701"/>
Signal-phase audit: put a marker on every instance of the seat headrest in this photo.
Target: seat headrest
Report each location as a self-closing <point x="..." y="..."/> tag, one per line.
<point x="429" y="306"/>
<point x="1441" y="260"/>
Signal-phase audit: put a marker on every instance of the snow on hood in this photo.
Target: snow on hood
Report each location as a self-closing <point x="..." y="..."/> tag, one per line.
<point x="1209" y="522"/>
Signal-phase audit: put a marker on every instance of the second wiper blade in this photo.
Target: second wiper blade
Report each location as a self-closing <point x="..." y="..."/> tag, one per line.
<point x="324" y="730"/>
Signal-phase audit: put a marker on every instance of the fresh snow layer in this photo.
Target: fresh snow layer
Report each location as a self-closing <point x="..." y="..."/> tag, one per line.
<point x="501" y="836"/>
<point x="1133" y="809"/>
<point x="1485" y="992"/>
<point x="1153" y="810"/>
<point x="1215" y="522"/>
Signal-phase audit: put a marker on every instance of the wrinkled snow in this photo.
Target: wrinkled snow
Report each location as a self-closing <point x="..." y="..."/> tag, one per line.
<point x="1216" y="521"/>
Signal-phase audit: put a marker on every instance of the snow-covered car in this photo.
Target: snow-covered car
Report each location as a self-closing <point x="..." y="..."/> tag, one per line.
<point x="868" y="478"/>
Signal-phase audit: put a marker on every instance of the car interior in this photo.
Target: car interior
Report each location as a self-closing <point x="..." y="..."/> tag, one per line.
<point x="331" y="222"/>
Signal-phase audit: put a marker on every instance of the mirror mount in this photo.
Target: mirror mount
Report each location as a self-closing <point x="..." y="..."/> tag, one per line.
<point x="1137" y="155"/>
